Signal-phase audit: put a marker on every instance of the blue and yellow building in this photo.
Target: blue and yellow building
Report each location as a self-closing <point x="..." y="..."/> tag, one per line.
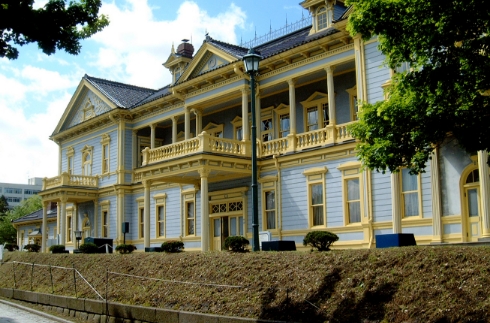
<point x="175" y="162"/>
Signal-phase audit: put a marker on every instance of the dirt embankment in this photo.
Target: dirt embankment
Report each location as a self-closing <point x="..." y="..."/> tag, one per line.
<point x="411" y="284"/>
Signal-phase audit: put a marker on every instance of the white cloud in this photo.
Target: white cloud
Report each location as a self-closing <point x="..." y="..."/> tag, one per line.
<point x="135" y="44"/>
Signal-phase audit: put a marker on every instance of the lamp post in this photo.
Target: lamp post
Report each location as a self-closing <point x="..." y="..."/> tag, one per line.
<point x="251" y="61"/>
<point x="78" y="236"/>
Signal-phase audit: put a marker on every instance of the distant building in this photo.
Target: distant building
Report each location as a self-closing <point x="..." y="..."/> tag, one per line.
<point x="16" y="193"/>
<point x="175" y="162"/>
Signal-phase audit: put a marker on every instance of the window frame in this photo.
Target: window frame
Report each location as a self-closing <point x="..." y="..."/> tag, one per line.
<point x="353" y="102"/>
<point x="105" y="156"/>
<point x="87" y="151"/>
<point x="318" y="100"/>
<point x="281" y="111"/>
<point x="321" y="12"/>
<point x="189" y="197"/>
<point x="316" y="176"/>
<point x="160" y="202"/>
<point x="214" y="129"/>
<point x="352" y="171"/>
<point x="269" y="184"/>
<point x="69" y="228"/>
<point x="104" y="222"/>
<point x="402" y="193"/>
<point x="237" y="125"/>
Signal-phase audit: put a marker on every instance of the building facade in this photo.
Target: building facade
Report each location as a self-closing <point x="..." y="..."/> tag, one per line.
<point x="16" y="193"/>
<point x="175" y="163"/>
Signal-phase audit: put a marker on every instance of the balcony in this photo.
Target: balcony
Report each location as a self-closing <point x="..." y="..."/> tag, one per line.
<point x="204" y="143"/>
<point x="66" y="179"/>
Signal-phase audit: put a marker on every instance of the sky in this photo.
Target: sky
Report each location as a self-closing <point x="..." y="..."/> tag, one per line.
<point x="35" y="89"/>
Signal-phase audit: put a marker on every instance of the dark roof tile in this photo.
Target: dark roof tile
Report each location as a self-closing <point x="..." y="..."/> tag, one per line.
<point x="36" y="216"/>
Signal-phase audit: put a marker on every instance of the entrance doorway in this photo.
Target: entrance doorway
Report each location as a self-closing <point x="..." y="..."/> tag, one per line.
<point x="471" y="204"/>
<point x="225" y="226"/>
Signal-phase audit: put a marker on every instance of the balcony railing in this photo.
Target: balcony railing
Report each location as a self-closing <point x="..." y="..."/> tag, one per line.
<point x="207" y="143"/>
<point x="66" y="179"/>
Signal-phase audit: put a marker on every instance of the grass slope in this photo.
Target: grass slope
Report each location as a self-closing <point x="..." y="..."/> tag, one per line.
<point x="410" y="284"/>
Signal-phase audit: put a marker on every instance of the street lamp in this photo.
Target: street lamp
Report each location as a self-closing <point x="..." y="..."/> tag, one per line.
<point x="251" y="61"/>
<point x="78" y="236"/>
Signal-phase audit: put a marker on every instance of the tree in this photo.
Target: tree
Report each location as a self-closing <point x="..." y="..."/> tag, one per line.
<point x="4" y="205"/>
<point x="7" y="230"/>
<point x="55" y="26"/>
<point x="445" y="93"/>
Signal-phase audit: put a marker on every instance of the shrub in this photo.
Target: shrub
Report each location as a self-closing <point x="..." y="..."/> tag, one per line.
<point x="125" y="248"/>
<point x="320" y="240"/>
<point x="57" y="248"/>
<point x="173" y="246"/>
<point x="32" y="247"/>
<point x="11" y="246"/>
<point x="236" y="244"/>
<point x="88" y="247"/>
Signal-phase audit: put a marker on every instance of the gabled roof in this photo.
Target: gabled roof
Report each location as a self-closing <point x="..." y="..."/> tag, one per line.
<point x="36" y="216"/>
<point x="122" y="95"/>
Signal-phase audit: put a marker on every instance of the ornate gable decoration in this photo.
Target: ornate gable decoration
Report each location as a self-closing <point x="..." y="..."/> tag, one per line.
<point x="207" y="58"/>
<point x="314" y="98"/>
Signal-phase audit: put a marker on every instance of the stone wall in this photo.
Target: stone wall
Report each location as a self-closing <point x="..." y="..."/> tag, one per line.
<point x="100" y="311"/>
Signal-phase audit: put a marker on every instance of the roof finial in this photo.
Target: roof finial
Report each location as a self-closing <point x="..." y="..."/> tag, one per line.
<point x="270" y="26"/>
<point x="173" y="49"/>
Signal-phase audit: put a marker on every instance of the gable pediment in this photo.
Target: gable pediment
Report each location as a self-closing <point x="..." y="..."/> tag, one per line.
<point x="206" y="59"/>
<point x="87" y="103"/>
<point x="315" y="97"/>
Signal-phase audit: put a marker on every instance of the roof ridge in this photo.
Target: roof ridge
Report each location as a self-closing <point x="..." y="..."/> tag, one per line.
<point x="281" y="37"/>
<point x="93" y="78"/>
<point x="224" y="43"/>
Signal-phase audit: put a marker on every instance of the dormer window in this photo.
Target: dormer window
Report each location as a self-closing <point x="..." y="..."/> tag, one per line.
<point x="321" y="18"/>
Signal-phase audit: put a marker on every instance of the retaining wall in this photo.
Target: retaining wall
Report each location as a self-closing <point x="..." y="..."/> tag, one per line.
<point x="100" y="311"/>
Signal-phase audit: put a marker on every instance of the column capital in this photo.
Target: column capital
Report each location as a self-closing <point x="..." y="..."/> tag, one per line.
<point x="292" y="81"/>
<point x="63" y="199"/>
<point x="245" y="89"/>
<point x="204" y="173"/>
<point x="329" y="69"/>
<point x="146" y="183"/>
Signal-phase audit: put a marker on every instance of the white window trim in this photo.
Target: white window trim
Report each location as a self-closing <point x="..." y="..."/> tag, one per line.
<point x="316" y="176"/>
<point x="160" y="201"/>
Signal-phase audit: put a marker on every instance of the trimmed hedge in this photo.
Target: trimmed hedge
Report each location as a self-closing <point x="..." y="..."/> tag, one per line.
<point x="57" y="248"/>
<point x="321" y="240"/>
<point x="236" y="244"/>
<point x="173" y="246"/>
<point x="11" y="247"/>
<point x="32" y="247"/>
<point x="88" y="247"/>
<point x="125" y="248"/>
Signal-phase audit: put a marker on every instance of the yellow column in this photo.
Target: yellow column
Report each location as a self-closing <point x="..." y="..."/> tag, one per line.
<point x="96" y="215"/>
<point x="146" y="214"/>
<point x="63" y="220"/>
<point x="292" y="106"/>
<point x="436" y="198"/>
<point x="331" y="96"/>
<point x="258" y="107"/>
<point x="245" y="126"/>
<point x="395" y="203"/>
<point x="360" y="70"/>
<point x="174" y="129"/>
<point x="204" y="210"/>
<point x="187" y="115"/>
<point x="484" y="192"/>
<point x="44" y="234"/>
<point x="121" y="151"/>
<point x="152" y="135"/>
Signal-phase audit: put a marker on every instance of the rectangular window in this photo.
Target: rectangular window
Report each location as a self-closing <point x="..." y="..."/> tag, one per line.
<point x="13" y="190"/>
<point x="270" y="210"/>
<point x="410" y="193"/>
<point x="316" y="204"/>
<point x="105" y="224"/>
<point x="353" y="200"/>
<point x="70" y="165"/>
<point x="28" y="192"/>
<point x="236" y="226"/>
<point x="160" y="221"/>
<point x="105" y="158"/>
<point x="312" y="118"/>
<point x="325" y="114"/>
<point x="284" y="125"/>
<point x="266" y="129"/>
<point x="190" y="218"/>
<point x="141" y="223"/>
<point x="69" y="230"/>
<point x="11" y="199"/>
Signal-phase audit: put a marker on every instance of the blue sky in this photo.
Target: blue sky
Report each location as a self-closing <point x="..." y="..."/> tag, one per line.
<point x="35" y="89"/>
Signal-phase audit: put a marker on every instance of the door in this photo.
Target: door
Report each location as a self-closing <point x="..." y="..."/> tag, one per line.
<point x="472" y="206"/>
<point x="220" y="232"/>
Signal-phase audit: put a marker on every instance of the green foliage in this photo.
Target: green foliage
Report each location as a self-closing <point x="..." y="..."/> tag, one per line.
<point x="446" y="89"/>
<point x="32" y="247"/>
<point x="173" y="246"/>
<point x="7" y="230"/>
<point x="236" y="243"/>
<point x="11" y="246"/>
<point x="4" y="206"/>
<point x="125" y="248"/>
<point x="58" y="25"/>
<point x="321" y="240"/>
<point x="88" y="247"/>
<point x="57" y="248"/>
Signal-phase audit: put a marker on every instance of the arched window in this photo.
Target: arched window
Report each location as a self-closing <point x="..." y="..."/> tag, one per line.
<point x="321" y="18"/>
<point x="87" y="161"/>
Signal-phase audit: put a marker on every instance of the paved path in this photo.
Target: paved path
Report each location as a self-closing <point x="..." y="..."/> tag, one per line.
<point x="15" y="313"/>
